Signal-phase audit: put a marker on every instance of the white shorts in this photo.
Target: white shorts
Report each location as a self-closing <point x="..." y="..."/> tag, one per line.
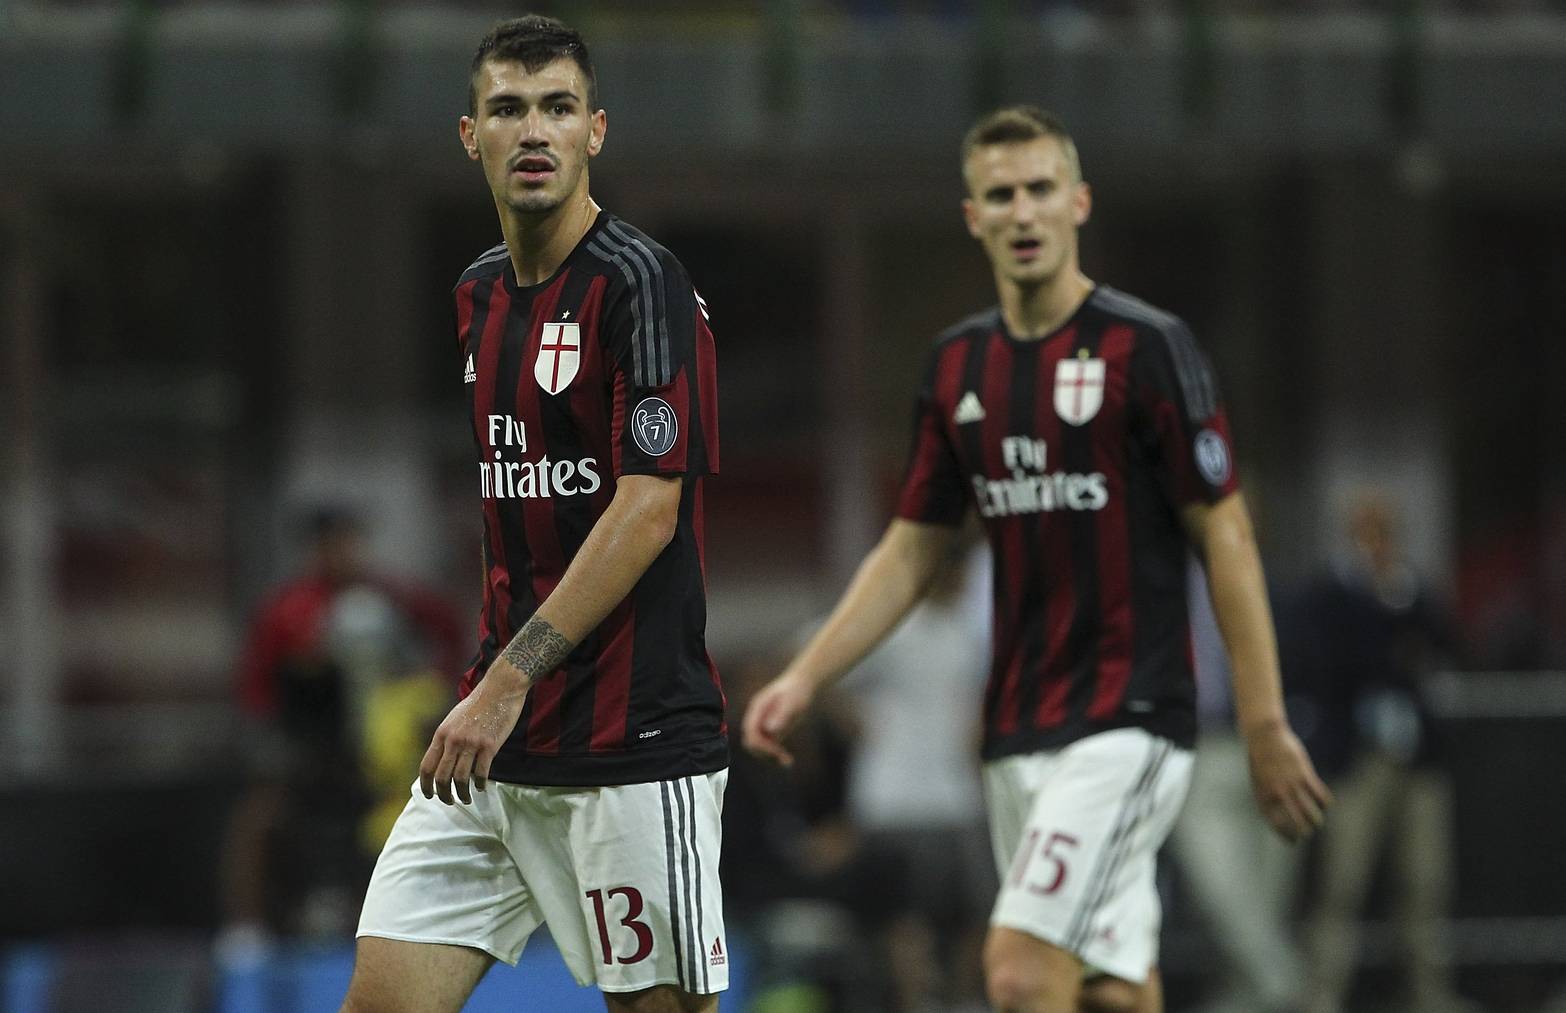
<point x="1076" y="833"/>
<point x="626" y="878"/>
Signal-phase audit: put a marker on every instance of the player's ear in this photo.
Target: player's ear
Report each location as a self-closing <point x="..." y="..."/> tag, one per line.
<point x="597" y="127"/>
<point x="1082" y="204"/>
<point x="467" y="130"/>
<point x="970" y="216"/>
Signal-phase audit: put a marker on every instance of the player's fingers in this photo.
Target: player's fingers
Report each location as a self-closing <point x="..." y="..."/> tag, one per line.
<point x="427" y="767"/>
<point x="1306" y="801"/>
<point x="1299" y="819"/>
<point x="1318" y="789"/>
<point x="764" y="745"/>
<point x="460" y="772"/>
<point x="448" y="760"/>
<point x="481" y="768"/>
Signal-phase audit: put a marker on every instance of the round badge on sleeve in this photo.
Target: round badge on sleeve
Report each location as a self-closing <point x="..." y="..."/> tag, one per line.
<point x="1212" y="457"/>
<point x="654" y="426"/>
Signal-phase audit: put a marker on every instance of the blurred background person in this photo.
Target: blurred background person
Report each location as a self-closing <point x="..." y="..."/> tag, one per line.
<point x="1378" y="633"/>
<point x="914" y="785"/>
<point x="1242" y="877"/>
<point x="340" y="669"/>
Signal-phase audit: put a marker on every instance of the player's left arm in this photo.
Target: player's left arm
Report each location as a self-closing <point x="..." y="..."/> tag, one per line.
<point x="1291" y="795"/>
<point x="637" y="525"/>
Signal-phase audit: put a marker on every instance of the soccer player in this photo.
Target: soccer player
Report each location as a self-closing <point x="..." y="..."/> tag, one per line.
<point x="1085" y="428"/>
<point x="591" y="722"/>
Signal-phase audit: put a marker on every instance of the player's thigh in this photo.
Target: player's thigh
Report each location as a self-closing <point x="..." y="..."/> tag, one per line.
<point x="1081" y="877"/>
<point x="395" y="976"/>
<point x="630" y="885"/>
<point x="1025" y="973"/>
<point x="446" y="876"/>
<point x="660" y="999"/>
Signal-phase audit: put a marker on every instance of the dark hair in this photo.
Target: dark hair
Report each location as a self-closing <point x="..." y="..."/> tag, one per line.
<point x="1015" y="124"/>
<point x="534" y="41"/>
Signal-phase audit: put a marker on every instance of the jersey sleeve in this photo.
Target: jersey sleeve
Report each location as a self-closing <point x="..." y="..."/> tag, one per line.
<point x="933" y="491"/>
<point x="1182" y="420"/>
<point x="662" y="368"/>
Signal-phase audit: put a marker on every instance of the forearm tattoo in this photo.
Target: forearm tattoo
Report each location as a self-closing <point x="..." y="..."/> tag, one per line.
<point x="537" y="649"/>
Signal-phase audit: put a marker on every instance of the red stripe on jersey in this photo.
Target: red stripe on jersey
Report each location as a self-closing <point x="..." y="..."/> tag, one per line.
<point x="538" y="521"/>
<point x="464" y="297"/>
<point x="617" y="423"/>
<point x="497" y="589"/>
<point x="1116" y="617"/>
<point x="464" y="312"/>
<point x="612" y="688"/>
<point x="934" y="431"/>
<point x="707" y="390"/>
<point x="1060" y="600"/>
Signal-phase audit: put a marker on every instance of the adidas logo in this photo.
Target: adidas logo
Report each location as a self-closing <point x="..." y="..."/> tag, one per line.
<point x="468" y="376"/>
<point x="715" y="955"/>
<point x="968" y="410"/>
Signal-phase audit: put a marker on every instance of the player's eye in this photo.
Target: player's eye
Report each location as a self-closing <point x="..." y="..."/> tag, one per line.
<point x="999" y="195"/>
<point x="1042" y="188"/>
<point x="506" y="110"/>
<point x="561" y="109"/>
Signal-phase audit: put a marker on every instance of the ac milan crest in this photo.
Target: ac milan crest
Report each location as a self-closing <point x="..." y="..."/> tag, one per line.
<point x="559" y="355"/>
<point x="1079" y="389"/>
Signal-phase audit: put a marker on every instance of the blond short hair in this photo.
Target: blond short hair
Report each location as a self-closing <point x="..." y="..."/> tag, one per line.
<point x="1016" y="124"/>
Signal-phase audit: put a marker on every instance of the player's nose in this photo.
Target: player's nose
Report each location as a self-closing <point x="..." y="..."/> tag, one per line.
<point x="533" y="133"/>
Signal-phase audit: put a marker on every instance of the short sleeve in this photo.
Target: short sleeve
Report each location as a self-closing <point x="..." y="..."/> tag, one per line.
<point x="662" y="368"/>
<point x="932" y="491"/>
<point x="1182" y="419"/>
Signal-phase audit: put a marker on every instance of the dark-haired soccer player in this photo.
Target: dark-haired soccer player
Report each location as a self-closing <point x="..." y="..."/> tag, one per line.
<point x="1085" y="428"/>
<point x="591" y="721"/>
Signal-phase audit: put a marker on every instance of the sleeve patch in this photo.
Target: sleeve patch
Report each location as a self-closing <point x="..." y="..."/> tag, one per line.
<point x="654" y="426"/>
<point x="1212" y="457"/>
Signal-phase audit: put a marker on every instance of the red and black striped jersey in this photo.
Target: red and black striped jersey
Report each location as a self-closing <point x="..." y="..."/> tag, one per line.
<point x="603" y="370"/>
<point x="1078" y="451"/>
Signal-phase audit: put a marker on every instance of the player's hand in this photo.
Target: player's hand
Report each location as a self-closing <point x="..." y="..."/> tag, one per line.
<point x="772" y="714"/>
<point x="472" y="733"/>
<point x="1292" y="798"/>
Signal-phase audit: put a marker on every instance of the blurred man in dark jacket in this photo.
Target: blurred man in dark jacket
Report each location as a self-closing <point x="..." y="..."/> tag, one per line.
<point x="1370" y="635"/>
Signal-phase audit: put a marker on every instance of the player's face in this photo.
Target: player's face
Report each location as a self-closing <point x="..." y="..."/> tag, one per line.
<point x="533" y="133"/>
<point x="1024" y="206"/>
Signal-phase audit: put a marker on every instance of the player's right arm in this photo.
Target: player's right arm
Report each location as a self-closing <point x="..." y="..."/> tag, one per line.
<point x="890" y="581"/>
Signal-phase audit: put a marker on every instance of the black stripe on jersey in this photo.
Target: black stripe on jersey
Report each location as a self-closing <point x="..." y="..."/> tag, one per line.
<point x="972" y="437"/>
<point x="1035" y="581"/>
<point x="488" y="262"/>
<point x="1190" y="364"/>
<point x="692" y="944"/>
<point x="1133" y="809"/>
<point x="699" y="954"/>
<point x="513" y="525"/>
<point x="658" y="339"/>
<point x="614" y="256"/>
<point x="1082" y="641"/>
<point x="674" y="890"/>
<point x="573" y="520"/>
<point x="1196" y="379"/>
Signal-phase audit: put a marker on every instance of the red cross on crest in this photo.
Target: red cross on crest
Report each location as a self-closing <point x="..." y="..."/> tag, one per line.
<point x="1079" y="389"/>
<point x="559" y="355"/>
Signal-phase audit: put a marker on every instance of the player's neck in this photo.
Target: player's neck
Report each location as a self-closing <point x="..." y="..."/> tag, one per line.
<point x="1035" y="311"/>
<point x="539" y="244"/>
